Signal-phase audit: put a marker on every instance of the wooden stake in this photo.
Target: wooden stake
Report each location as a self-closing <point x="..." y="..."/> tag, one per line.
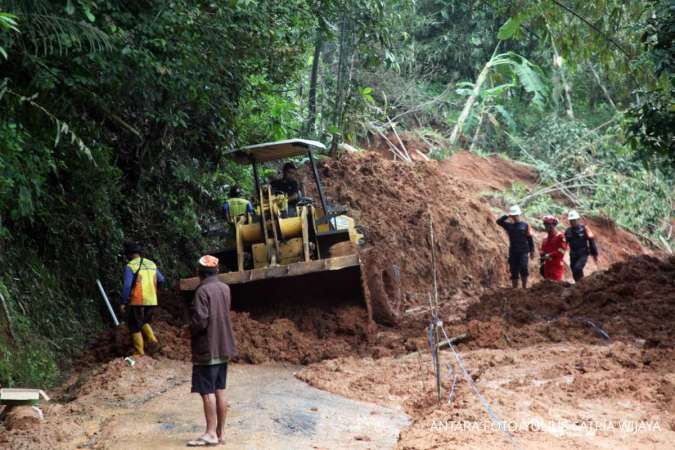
<point x="438" y="362"/>
<point x="433" y="258"/>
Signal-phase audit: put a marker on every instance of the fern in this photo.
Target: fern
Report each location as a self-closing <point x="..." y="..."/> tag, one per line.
<point x="48" y="33"/>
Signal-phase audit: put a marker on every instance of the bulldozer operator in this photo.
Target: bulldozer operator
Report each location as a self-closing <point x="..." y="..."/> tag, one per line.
<point x="290" y="185"/>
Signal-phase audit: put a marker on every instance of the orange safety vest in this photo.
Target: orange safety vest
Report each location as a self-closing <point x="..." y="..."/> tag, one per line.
<point x="144" y="290"/>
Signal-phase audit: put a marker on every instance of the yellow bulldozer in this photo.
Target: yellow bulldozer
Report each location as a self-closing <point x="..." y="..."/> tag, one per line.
<point x="305" y="255"/>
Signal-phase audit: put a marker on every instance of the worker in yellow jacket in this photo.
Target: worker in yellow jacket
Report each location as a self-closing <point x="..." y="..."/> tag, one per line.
<point x="236" y="205"/>
<point x="140" y="296"/>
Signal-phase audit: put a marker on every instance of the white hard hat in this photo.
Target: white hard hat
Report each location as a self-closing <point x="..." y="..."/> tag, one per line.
<point x="515" y="211"/>
<point x="573" y="215"/>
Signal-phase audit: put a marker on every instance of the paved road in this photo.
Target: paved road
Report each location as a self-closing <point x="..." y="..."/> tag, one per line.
<point x="269" y="409"/>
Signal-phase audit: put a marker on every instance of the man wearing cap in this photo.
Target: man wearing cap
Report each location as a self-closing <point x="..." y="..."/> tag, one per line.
<point x="553" y="250"/>
<point x="521" y="244"/>
<point x="141" y="276"/>
<point x="212" y="347"/>
<point x="582" y="243"/>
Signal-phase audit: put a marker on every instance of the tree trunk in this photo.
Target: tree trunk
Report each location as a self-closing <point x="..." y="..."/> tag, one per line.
<point x="474" y="141"/>
<point x="310" y="123"/>
<point x="482" y="76"/>
<point x="602" y="86"/>
<point x="344" y="53"/>
<point x="567" y="88"/>
<point x="558" y="63"/>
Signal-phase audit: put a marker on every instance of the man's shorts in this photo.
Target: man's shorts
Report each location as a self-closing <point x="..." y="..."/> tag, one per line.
<point x="207" y="379"/>
<point x="518" y="265"/>
<point x="138" y="316"/>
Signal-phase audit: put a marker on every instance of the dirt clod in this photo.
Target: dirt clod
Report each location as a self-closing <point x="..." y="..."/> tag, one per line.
<point x="22" y="418"/>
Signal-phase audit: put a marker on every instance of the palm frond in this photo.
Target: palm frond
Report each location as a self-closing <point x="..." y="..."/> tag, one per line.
<point x="506" y="116"/>
<point x="531" y="79"/>
<point x="529" y="75"/>
<point x="7" y="22"/>
<point x="62" y="128"/>
<point x="49" y="34"/>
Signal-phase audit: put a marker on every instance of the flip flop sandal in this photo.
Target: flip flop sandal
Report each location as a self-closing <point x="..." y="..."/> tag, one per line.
<point x="202" y="442"/>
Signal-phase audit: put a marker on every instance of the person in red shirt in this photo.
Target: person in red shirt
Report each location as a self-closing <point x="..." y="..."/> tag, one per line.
<point x="553" y="250"/>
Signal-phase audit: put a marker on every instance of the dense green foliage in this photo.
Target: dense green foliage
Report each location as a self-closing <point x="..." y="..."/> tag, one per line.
<point x="118" y="133"/>
<point x="114" y="118"/>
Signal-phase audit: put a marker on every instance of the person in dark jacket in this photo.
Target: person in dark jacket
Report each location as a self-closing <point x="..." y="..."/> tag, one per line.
<point x="521" y="244"/>
<point x="289" y="184"/>
<point x="212" y="347"/>
<point x="581" y="242"/>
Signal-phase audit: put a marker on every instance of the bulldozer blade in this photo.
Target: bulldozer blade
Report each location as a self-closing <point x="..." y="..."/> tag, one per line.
<point x="290" y="290"/>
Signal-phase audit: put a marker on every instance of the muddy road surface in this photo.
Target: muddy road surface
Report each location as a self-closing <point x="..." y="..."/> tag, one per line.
<point x="149" y="406"/>
<point x="269" y="409"/>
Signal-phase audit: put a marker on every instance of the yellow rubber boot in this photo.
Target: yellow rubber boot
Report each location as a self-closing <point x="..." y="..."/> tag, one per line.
<point x="137" y="338"/>
<point x="153" y="345"/>
<point x="147" y="331"/>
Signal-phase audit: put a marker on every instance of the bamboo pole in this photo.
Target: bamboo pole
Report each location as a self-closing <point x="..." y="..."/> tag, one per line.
<point x="434" y="347"/>
<point x="433" y="258"/>
<point x="404" y="150"/>
<point x="434" y="308"/>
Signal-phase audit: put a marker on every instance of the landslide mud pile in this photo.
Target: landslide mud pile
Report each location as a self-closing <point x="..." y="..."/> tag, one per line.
<point x="312" y="335"/>
<point x="633" y="301"/>
<point x="391" y="200"/>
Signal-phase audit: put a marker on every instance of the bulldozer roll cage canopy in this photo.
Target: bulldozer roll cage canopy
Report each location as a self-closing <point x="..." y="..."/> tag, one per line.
<point x="274" y="151"/>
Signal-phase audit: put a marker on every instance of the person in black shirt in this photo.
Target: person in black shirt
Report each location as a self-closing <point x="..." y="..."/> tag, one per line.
<point x="582" y="243"/>
<point x="288" y="184"/>
<point x="521" y="244"/>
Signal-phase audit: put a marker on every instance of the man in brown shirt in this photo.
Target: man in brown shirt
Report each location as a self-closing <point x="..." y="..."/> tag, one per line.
<point x="212" y="347"/>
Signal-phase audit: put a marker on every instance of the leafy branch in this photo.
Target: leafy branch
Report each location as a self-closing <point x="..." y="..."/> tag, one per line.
<point x="62" y="128"/>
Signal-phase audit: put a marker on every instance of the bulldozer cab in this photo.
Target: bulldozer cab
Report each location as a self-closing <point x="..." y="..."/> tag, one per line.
<point x="280" y="233"/>
<point x="291" y="257"/>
